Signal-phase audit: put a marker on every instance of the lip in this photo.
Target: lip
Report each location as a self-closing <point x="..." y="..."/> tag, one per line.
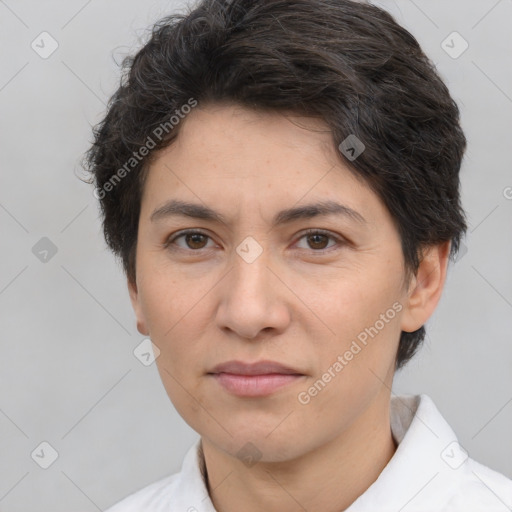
<point x="257" y="368"/>
<point x="261" y="378"/>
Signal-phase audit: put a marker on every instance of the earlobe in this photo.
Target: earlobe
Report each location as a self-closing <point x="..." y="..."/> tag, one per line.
<point x="135" y="300"/>
<point x="426" y="287"/>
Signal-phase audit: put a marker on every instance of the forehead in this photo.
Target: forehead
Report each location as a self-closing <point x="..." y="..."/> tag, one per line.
<point x="227" y="156"/>
<point x="229" y="137"/>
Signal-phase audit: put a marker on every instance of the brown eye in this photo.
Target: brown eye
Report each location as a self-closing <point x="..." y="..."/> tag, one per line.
<point x="319" y="240"/>
<point x="193" y="241"/>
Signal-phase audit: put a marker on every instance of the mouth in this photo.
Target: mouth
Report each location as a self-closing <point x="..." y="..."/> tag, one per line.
<point x="254" y="379"/>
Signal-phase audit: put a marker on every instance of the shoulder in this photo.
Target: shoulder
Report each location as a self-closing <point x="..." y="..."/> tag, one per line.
<point x="151" y="498"/>
<point x="481" y="488"/>
<point x="184" y="491"/>
<point x="430" y="470"/>
<point x="467" y="484"/>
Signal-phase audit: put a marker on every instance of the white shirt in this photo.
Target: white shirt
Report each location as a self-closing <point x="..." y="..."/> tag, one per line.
<point x="429" y="472"/>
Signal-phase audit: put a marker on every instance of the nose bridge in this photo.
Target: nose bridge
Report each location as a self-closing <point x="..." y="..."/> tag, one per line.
<point x="251" y="298"/>
<point x="249" y="277"/>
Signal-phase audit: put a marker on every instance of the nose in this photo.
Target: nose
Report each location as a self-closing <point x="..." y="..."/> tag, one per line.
<point x="253" y="300"/>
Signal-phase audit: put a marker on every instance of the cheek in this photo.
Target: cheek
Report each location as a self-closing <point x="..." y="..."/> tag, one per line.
<point x="362" y="311"/>
<point x="350" y="300"/>
<point x="171" y="311"/>
<point x="177" y="313"/>
<point x="167" y="301"/>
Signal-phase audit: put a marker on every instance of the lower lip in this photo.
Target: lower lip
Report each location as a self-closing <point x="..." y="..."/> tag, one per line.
<point x="254" y="385"/>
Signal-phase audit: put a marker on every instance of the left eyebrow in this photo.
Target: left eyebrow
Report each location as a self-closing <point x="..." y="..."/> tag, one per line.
<point x="176" y="207"/>
<point x="322" y="208"/>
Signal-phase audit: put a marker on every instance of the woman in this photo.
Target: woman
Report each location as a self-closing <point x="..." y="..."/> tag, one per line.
<point x="281" y="182"/>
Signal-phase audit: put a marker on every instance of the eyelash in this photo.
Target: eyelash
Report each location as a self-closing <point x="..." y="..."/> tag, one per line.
<point x="170" y="241"/>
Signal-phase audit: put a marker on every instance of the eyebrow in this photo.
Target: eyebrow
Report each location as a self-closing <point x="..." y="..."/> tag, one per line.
<point x="176" y="207"/>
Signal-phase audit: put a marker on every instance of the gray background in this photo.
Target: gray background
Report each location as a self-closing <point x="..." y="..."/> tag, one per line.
<point x="68" y="373"/>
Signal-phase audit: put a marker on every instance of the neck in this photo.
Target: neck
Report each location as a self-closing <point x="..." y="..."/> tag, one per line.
<point x="330" y="478"/>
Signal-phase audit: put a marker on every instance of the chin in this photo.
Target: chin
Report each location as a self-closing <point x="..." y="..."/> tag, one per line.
<point x="257" y="441"/>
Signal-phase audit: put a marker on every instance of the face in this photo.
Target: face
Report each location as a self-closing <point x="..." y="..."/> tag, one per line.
<point x="239" y="277"/>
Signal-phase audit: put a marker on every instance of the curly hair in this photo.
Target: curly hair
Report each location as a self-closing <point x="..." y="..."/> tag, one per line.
<point x="346" y="62"/>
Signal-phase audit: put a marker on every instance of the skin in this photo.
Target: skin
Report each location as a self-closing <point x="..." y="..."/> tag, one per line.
<point x="302" y="302"/>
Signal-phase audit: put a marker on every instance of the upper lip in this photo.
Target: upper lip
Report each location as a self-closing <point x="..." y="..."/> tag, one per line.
<point x="257" y="368"/>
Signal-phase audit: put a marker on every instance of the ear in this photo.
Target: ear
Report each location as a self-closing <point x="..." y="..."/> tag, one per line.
<point x="137" y="308"/>
<point x="426" y="287"/>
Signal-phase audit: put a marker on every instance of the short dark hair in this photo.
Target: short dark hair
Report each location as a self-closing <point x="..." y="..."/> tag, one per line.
<point x="346" y="62"/>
